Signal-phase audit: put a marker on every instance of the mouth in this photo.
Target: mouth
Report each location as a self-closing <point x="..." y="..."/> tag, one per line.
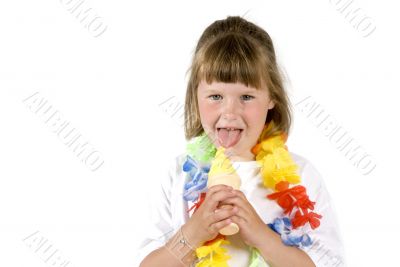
<point x="229" y="136"/>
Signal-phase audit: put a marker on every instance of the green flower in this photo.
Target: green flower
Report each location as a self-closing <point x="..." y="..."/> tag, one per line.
<point x="201" y="148"/>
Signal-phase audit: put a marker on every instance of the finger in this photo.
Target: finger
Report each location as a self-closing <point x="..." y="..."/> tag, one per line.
<point x="238" y="220"/>
<point x="215" y="227"/>
<point x="213" y="200"/>
<point x="240" y="194"/>
<point x="221" y="214"/>
<point x="242" y="214"/>
<point x="244" y="203"/>
<point x="245" y="210"/>
<point x="236" y="201"/>
<point x="218" y="187"/>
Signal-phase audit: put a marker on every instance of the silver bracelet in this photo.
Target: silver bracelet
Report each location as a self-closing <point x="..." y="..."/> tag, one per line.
<point x="180" y="248"/>
<point x="184" y="241"/>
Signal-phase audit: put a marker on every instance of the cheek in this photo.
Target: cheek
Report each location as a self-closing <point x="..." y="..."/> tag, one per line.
<point x="256" y="115"/>
<point x="207" y="112"/>
<point x="256" y="120"/>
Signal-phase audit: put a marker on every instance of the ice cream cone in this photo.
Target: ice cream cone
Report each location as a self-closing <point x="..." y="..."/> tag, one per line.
<point x="222" y="172"/>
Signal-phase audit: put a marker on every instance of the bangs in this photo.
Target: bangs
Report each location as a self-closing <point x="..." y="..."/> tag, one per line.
<point x="233" y="59"/>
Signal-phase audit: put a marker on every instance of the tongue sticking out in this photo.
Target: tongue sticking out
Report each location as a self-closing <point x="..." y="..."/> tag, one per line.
<point x="228" y="138"/>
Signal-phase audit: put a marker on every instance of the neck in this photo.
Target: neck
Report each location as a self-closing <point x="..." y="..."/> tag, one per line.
<point x="246" y="157"/>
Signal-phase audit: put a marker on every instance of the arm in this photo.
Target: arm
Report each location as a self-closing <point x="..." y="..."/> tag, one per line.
<point x="202" y="226"/>
<point x="161" y="257"/>
<point x="255" y="233"/>
<point x="278" y="254"/>
<point x="326" y="249"/>
<point x="176" y="253"/>
<point x="153" y="251"/>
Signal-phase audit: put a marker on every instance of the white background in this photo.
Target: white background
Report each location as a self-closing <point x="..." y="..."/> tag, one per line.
<point x="110" y="88"/>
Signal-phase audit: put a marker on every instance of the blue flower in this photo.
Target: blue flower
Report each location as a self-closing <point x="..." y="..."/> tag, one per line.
<point x="199" y="175"/>
<point x="283" y="227"/>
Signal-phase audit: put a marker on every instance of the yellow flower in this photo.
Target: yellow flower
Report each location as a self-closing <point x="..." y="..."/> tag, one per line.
<point x="272" y="143"/>
<point x="216" y="255"/>
<point x="278" y="166"/>
<point x="269" y="145"/>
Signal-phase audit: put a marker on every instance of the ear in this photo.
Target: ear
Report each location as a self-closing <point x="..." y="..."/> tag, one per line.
<point x="271" y="104"/>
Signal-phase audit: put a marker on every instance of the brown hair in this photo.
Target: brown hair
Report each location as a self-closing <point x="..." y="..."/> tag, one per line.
<point x="236" y="50"/>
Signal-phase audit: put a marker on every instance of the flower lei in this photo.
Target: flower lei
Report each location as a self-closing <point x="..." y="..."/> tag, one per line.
<point x="278" y="171"/>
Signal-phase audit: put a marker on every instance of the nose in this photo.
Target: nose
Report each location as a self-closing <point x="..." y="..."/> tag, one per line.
<point x="230" y="109"/>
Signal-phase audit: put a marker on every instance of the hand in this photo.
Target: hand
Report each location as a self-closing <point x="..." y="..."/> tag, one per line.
<point x="205" y="223"/>
<point x="252" y="228"/>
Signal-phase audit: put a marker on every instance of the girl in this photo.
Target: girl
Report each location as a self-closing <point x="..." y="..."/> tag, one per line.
<point x="235" y="100"/>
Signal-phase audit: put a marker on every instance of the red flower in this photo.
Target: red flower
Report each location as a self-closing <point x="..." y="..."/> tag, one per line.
<point x="301" y="219"/>
<point x="198" y="203"/>
<point x="288" y="198"/>
<point x="305" y="203"/>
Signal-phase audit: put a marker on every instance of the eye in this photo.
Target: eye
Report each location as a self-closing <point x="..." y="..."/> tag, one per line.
<point x="213" y="97"/>
<point x="247" y="97"/>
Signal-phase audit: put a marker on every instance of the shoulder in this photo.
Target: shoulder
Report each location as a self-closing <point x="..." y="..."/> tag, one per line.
<point x="313" y="181"/>
<point x="176" y="162"/>
<point x="309" y="174"/>
<point x="174" y="165"/>
<point x="167" y="174"/>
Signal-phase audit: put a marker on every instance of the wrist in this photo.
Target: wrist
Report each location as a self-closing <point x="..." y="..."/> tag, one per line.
<point x="180" y="248"/>
<point x="191" y="236"/>
<point x="265" y="237"/>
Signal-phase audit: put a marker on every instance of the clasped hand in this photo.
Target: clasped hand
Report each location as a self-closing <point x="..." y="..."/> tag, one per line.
<point x="208" y="219"/>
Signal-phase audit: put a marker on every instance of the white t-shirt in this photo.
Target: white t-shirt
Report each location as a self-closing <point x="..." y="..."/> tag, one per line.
<point x="169" y="212"/>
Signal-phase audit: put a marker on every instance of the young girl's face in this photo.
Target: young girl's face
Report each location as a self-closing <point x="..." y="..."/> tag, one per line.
<point x="233" y="115"/>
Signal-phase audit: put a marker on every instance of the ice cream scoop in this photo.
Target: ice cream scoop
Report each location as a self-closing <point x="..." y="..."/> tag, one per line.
<point x="222" y="172"/>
